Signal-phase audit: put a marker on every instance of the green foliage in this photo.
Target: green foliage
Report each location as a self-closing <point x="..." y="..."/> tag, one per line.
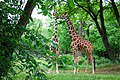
<point x="30" y="53"/>
<point x="64" y="38"/>
<point x="71" y="3"/>
<point x="9" y="15"/>
<point x="115" y="39"/>
<point x="101" y="60"/>
<point x="65" y="60"/>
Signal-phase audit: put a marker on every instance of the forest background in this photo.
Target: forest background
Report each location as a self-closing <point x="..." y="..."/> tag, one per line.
<point x="24" y="41"/>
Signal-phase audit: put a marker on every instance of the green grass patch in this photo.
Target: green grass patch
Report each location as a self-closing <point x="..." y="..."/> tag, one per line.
<point x="82" y="76"/>
<point x="103" y="72"/>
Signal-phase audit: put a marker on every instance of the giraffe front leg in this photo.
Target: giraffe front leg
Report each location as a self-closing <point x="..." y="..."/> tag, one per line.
<point x="57" y="68"/>
<point x="75" y="60"/>
<point x="75" y="67"/>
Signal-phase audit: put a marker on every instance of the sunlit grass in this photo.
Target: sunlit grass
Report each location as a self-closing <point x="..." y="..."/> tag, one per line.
<point x="82" y="76"/>
<point x="103" y="72"/>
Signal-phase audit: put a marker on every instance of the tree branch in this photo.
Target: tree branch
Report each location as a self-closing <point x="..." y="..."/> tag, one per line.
<point x="24" y="18"/>
<point x="92" y="16"/>
<point x="102" y="18"/>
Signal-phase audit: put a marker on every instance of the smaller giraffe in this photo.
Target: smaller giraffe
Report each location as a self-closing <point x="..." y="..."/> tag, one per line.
<point x="54" y="45"/>
<point x="78" y="44"/>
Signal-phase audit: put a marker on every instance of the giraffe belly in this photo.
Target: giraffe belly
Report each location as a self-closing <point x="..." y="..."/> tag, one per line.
<point x="82" y="49"/>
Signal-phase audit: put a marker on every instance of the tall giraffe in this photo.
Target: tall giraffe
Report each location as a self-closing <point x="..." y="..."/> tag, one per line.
<point x="78" y="44"/>
<point x="54" y="45"/>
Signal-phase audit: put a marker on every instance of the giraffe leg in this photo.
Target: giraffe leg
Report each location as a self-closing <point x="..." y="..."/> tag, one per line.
<point x="75" y="60"/>
<point x="87" y="65"/>
<point x="57" y="54"/>
<point x="93" y="65"/>
<point x="92" y="60"/>
<point x="57" y="68"/>
<point x="75" y="67"/>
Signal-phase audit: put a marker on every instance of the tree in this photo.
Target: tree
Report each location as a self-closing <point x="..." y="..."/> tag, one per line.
<point x="116" y="11"/>
<point x="102" y="29"/>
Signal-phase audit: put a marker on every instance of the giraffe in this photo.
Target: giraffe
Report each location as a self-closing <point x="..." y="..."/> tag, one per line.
<point x="54" y="45"/>
<point x="78" y="44"/>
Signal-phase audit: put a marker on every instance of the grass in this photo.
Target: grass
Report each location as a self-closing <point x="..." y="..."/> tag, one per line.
<point x="82" y="76"/>
<point x="107" y="73"/>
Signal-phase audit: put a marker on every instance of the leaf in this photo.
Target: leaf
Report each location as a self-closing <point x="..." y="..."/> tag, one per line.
<point x="71" y="3"/>
<point x="44" y="10"/>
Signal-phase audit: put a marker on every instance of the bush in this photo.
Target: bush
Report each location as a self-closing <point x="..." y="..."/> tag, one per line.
<point x="66" y="61"/>
<point x="82" y="60"/>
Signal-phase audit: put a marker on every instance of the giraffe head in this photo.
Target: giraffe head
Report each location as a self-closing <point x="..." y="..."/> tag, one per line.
<point x="63" y="15"/>
<point x="54" y="13"/>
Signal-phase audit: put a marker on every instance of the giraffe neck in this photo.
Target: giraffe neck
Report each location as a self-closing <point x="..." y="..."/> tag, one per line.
<point x="71" y="28"/>
<point x="55" y="28"/>
<point x="54" y="38"/>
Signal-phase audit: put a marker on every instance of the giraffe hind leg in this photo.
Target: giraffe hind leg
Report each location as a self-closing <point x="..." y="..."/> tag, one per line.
<point x="57" y="54"/>
<point x="90" y="59"/>
<point x="93" y="64"/>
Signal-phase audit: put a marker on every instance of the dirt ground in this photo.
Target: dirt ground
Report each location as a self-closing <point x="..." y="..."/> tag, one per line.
<point x="112" y="70"/>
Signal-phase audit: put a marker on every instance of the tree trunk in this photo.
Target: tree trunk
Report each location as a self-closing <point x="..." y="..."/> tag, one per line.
<point x="105" y="41"/>
<point x="24" y="18"/>
<point x="104" y="34"/>
<point x="108" y="48"/>
<point x="116" y="11"/>
<point x="7" y="47"/>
